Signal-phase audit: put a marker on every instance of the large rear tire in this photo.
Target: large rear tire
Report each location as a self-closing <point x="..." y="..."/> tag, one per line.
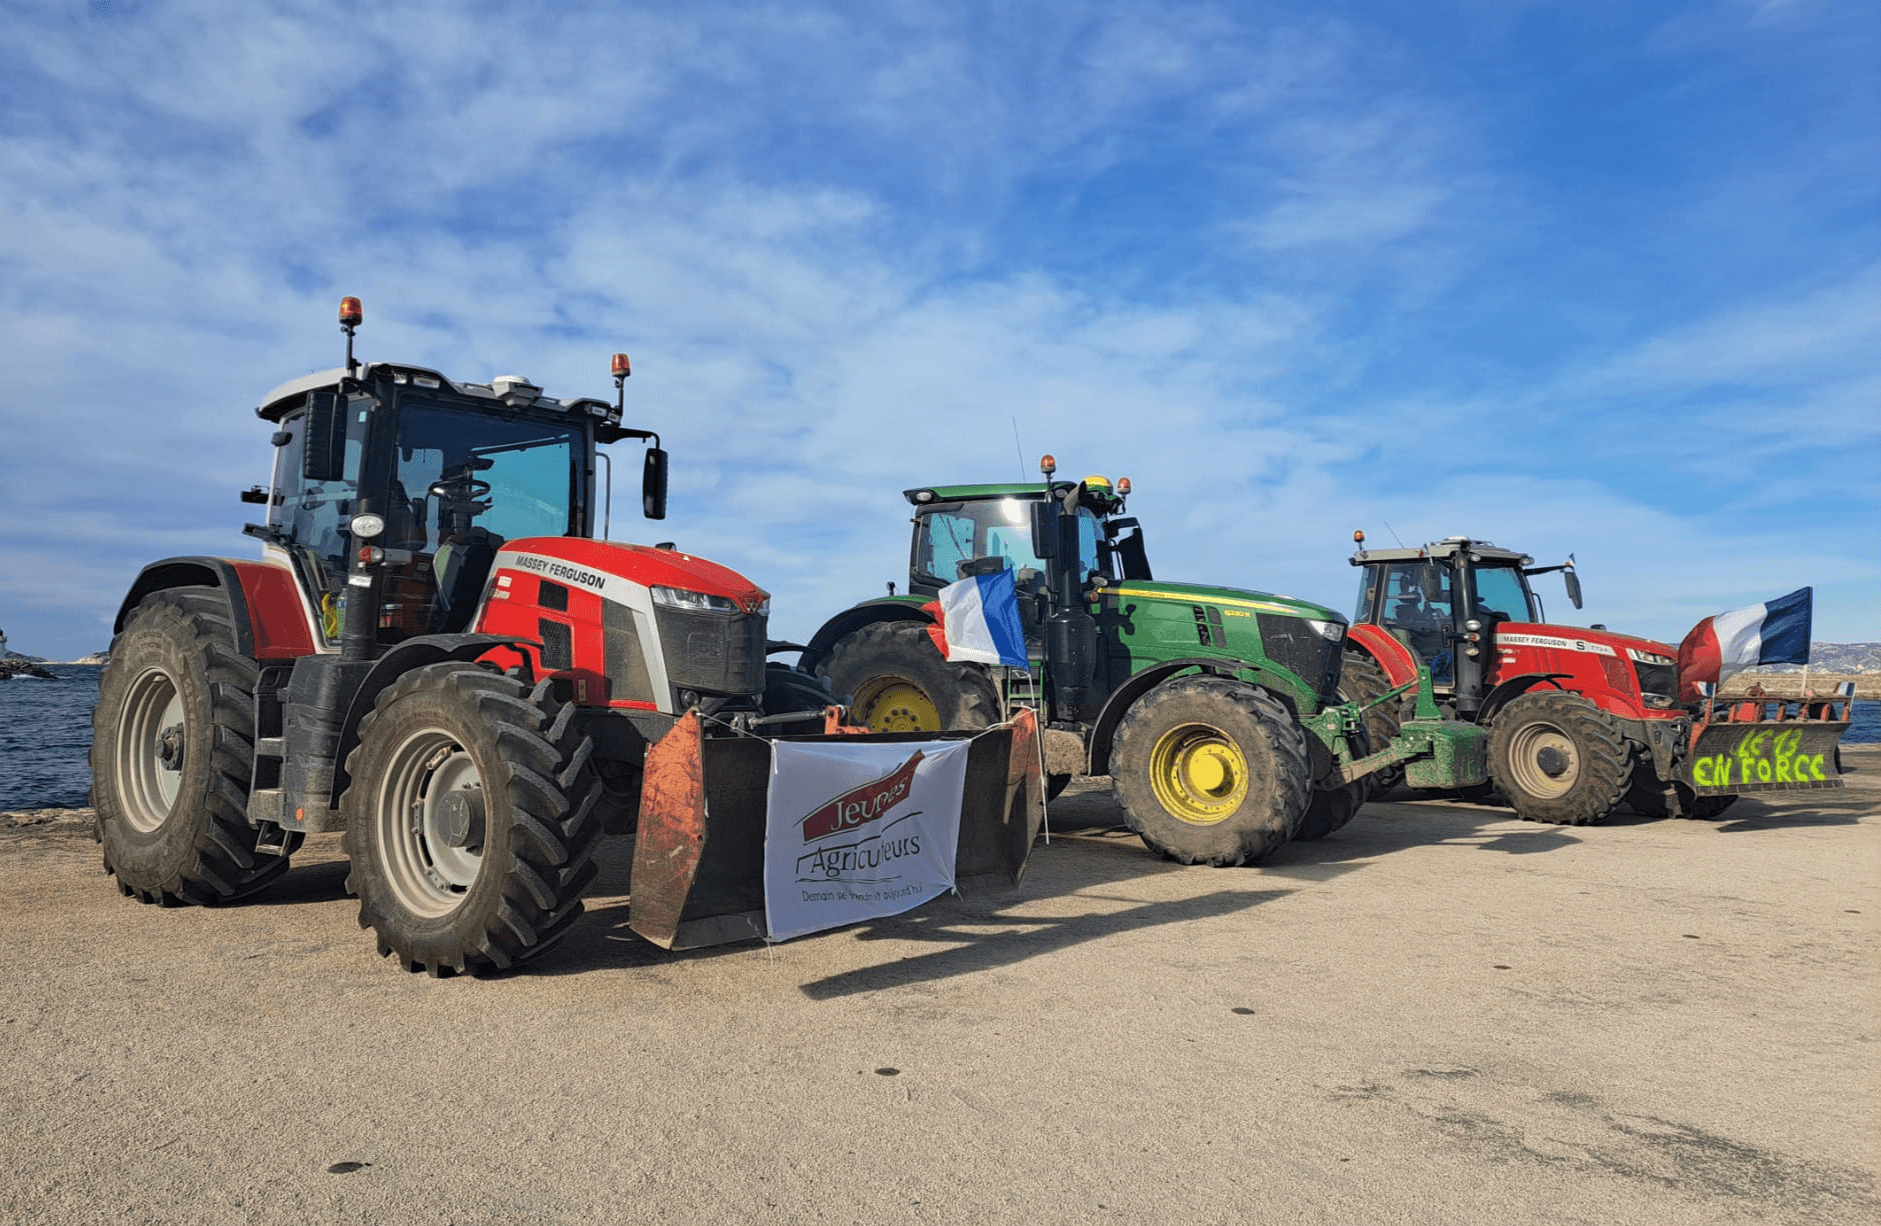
<point x="1332" y="807"/>
<point x="471" y="820"/>
<point x="172" y="755"/>
<point x="1558" y="758"/>
<point x="1211" y="770"/>
<point x="1362" y="680"/>
<point x="897" y="682"/>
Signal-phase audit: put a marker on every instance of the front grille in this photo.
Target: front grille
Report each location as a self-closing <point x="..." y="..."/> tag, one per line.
<point x="1658" y="683"/>
<point x="1294" y="645"/>
<point x="713" y="653"/>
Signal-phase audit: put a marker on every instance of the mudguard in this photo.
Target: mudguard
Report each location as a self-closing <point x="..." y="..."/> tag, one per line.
<point x="698" y="871"/>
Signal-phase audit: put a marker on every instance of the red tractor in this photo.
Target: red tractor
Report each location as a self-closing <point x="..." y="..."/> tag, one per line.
<point x="435" y="655"/>
<point x="1580" y="720"/>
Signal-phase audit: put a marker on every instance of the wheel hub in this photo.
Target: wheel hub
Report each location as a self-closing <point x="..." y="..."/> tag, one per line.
<point x="1551" y="761"/>
<point x="460" y="818"/>
<point x="1198" y="774"/>
<point x="170" y="746"/>
<point x="899" y="706"/>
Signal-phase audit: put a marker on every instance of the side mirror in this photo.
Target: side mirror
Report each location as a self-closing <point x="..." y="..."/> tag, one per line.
<point x="325" y="456"/>
<point x="1045" y="529"/>
<point x="653" y="484"/>
<point x="1573" y="585"/>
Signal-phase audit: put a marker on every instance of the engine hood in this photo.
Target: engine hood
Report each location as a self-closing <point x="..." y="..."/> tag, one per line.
<point x="1238" y="598"/>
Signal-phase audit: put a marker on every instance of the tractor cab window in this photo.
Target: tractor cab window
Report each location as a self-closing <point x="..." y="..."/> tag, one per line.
<point x="1502" y="595"/>
<point x="960" y="539"/>
<point x="463" y="483"/>
<point x="314" y="514"/>
<point x="1417" y="612"/>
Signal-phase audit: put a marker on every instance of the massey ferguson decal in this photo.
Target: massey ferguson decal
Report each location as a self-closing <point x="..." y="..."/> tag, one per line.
<point x="855" y="831"/>
<point x="1552" y="643"/>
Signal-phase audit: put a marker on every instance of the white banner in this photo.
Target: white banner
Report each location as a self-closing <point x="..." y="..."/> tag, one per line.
<point x="856" y="831"/>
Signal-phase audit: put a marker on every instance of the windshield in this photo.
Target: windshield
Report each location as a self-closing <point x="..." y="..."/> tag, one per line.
<point x="951" y="537"/>
<point x="456" y="473"/>
<point x="1502" y="594"/>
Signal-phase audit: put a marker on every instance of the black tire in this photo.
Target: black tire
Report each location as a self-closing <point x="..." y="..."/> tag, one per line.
<point x="1211" y="770"/>
<point x="1646" y="796"/>
<point x="173" y="753"/>
<point x="1330" y="808"/>
<point x="788" y="691"/>
<point x="1361" y="680"/>
<point x="471" y="819"/>
<point x="896" y="681"/>
<point x="1558" y="758"/>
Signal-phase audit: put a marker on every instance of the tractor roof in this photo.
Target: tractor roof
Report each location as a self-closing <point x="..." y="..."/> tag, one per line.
<point x="1444" y="550"/>
<point x="508" y="391"/>
<point x="968" y="493"/>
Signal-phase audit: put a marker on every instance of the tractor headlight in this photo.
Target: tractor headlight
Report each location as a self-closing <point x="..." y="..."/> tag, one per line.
<point x="365" y="527"/>
<point x="697" y="602"/>
<point x="1332" y="632"/>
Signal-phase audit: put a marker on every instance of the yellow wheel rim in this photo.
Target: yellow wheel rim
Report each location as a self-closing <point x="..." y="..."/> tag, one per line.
<point x="1198" y="774"/>
<point x="895" y="704"/>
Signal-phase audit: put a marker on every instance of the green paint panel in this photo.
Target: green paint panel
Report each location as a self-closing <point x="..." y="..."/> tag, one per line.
<point x="1458" y="754"/>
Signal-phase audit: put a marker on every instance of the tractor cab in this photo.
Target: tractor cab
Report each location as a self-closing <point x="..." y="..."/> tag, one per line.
<point x="430" y="478"/>
<point x="966" y="530"/>
<point x="1444" y="600"/>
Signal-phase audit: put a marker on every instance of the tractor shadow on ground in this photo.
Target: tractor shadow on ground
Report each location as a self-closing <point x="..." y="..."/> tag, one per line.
<point x="984" y="931"/>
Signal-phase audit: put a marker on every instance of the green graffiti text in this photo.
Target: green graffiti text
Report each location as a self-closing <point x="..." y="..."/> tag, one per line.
<point x="1763" y="756"/>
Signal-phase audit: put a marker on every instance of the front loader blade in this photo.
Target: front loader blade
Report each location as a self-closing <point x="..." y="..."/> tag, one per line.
<point x="1763" y="755"/>
<point x="698" y="873"/>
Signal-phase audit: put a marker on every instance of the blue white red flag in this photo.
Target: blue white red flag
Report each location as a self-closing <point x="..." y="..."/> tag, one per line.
<point x="1774" y="632"/>
<point x="979" y="621"/>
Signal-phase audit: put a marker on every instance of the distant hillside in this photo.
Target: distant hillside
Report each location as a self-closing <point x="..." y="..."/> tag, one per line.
<point x="1833" y="658"/>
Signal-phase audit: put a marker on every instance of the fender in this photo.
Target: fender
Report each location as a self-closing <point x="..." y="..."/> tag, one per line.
<point x="1386" y="652"/>
<point x="1514" y="687"/>
<point x="264" y="605"/>
<point x="880" y="609"/>
<point x="1120" y="700"/>
<point x="396" y="662"/>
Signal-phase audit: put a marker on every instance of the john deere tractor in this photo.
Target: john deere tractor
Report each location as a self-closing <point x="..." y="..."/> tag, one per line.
<point x="1218" y="712"/>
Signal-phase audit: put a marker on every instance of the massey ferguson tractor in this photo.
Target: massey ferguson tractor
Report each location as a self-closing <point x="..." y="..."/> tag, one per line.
<point x="1579" y="720"/>
<point x="436" y="656"/>
<point x="1217" y="712"/>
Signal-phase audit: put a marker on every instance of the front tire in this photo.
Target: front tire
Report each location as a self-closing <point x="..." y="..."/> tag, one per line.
<point x="172" y="755"/>
<point x="1211" y="770"/>
<point x="1558" y="758"/>
<point x="471" y="820"/>
<point x="898" y="682"/>
<point x="1647" y="798"/>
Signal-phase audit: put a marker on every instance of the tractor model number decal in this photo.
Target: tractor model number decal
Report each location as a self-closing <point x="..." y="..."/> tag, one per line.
<point x="1763" y="756"/>
<point x="1540" y="640"/>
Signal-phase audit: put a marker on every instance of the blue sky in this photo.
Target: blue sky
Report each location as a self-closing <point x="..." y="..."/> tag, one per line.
<point x="1600" y="277"/>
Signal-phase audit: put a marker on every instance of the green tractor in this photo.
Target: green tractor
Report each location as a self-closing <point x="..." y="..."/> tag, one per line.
<point x="1217" y="712"/>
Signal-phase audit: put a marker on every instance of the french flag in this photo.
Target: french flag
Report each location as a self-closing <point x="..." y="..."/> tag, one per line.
<point x="1774" y="632"/>
<point x="977" y="619"/>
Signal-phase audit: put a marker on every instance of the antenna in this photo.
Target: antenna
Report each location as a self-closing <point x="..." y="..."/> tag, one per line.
<point x="1394" y="533"/>
<point x="1018" y="447"/>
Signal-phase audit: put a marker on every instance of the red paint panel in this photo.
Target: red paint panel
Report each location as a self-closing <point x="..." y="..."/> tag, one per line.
<point x="641" y="564"/>
<point x="276" y="612"/>
<point x="1392" y="656"/>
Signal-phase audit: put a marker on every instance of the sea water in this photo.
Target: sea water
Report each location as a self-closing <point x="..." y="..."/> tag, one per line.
<point x="45" y="737"/>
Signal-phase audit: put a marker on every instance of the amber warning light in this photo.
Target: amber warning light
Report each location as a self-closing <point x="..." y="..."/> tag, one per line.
<point x="1123" y="486"/>
<point x="1359" y="535"/>
<point x="351" y="313"/>
<point x="622" y="367"/>
<point x="1048" y="464"/>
